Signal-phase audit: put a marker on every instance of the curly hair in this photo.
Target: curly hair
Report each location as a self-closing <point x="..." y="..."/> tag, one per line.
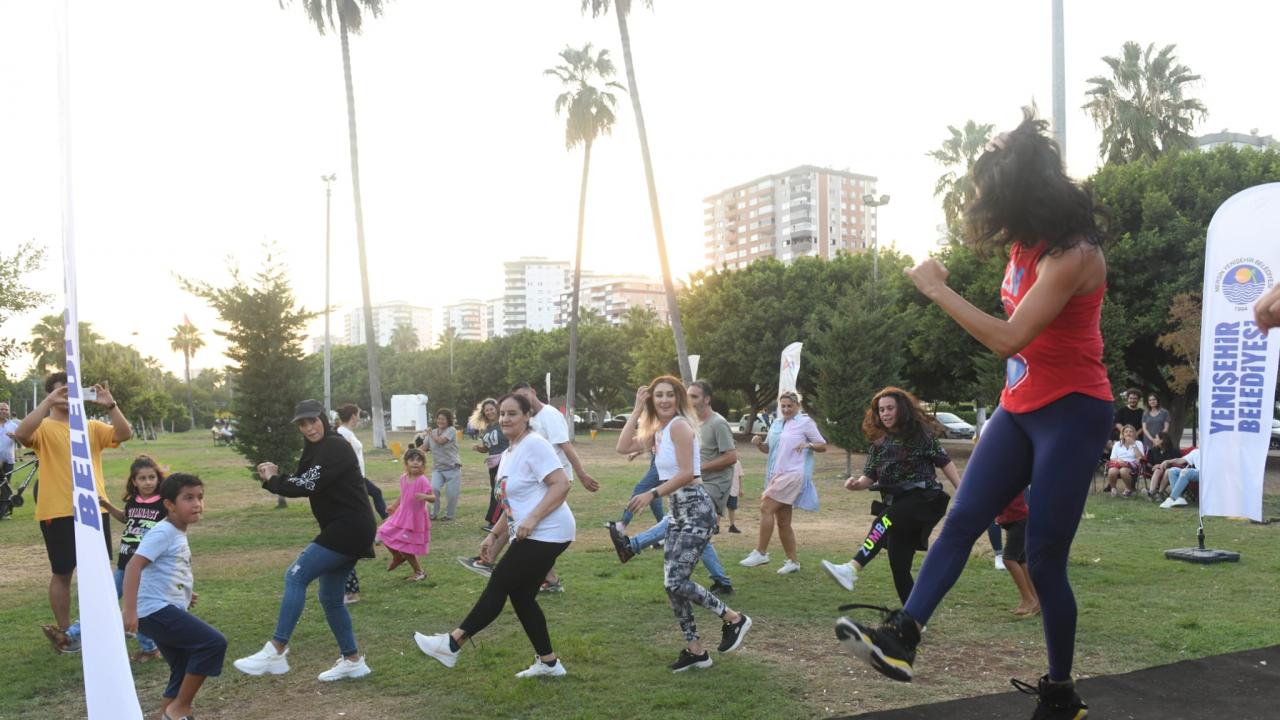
<point x="478" y="420"/>
<point x="913" y="420"/>
<point x="1023" y="195"/>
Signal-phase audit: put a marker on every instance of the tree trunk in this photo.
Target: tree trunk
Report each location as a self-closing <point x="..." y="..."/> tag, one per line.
<point x="673" y="306"/>
<point x="370" y="339"/>
<point x="571" y="387"/>
<point x="191" y="408"/>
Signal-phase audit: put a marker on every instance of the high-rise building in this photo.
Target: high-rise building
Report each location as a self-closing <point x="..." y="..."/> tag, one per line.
<point x="469" y="319"/>
<point x="495" y="311"/>
<point x="613" y="295"/>
<point x="805" y="211"/>
<point x="533" y="287"/>
<point x="386" y="317"/>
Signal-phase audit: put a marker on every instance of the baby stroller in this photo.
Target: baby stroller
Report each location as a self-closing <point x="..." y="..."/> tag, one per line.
<point x="11" y="497"/>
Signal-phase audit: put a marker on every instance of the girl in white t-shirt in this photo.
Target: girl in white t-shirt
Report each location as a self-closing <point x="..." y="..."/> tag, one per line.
<point x="532" y="487"/>
<point x="1125" y="456"/>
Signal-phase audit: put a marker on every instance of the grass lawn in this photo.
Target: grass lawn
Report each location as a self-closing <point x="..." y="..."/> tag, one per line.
<point x="613" y="626"/>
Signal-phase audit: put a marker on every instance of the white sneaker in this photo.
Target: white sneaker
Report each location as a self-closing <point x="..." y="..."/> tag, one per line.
<point x="789" y="567"/>
<point x="541" y="669"/>
<point x="345" y="669"/>
<point x="755" y="558"/>
<point x="437" y="646"/>
<point x="1179" y="502"/>
<point x="264" y="662"/>
<point x="1000" y="562"/>
<point x="843" y="574"/>
<point x="1170" y="502"/>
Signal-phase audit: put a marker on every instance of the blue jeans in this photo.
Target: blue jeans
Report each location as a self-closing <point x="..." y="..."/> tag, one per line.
<point x="145" y="644"/>
<point x="1180" y="478"/>
<point x="650" y="537"/>
<point x="332" y="569"/>
<point x="647" y="483"/>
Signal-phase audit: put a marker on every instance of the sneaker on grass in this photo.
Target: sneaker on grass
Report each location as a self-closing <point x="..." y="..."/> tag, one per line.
<point x="755" y="558"/>
<point x="437" y="646"/>
<point x="844" y="574"/>
<point x="541" y="669"/>
<point x="788" y="567"/>
<point x="1000" y="562"/>
<point x="732" y="634"/>
<point x="1054" y="700"/>
<point x="689" y="660"/>
<point x="719" y="588"/>
<point x="264" y="662"/>
<point x="345" y="669"/>
<point x="1173" y="502"/>
<point x="474" y="565"/>
<point x="890" y="648"/>
<point x="551" y="587"/>
<point x="621" y="543"/>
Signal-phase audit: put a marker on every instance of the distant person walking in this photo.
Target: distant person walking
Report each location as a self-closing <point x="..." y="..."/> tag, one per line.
<point x="793" y="439"/>
<point x="492" y="444"/>
<point x="446" y="464"/>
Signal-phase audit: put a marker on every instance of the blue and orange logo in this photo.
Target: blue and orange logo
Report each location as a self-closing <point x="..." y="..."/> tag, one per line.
<point x="1243" y="284"/>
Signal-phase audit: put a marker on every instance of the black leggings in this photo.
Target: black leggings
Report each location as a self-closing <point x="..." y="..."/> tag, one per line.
<point x="903" y="530"/>
<point x="518" y="576"/>
<point x="491" y="515"/>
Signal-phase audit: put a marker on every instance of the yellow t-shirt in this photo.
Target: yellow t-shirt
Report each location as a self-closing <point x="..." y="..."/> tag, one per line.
<point x="52" y="443"/>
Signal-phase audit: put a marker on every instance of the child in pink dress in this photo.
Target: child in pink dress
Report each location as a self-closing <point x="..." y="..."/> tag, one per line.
<point x="407" y="532"/>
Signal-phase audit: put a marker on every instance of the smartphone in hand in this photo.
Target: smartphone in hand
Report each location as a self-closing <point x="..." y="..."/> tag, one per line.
<point x="91" y="394"/>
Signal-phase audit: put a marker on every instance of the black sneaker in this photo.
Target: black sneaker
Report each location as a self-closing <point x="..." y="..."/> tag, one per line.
<point x="718" y="588"/>
<point x="890" y="648"/>
<point x="689" y="660"/>
<point x="1054" y="700"/>
<point x="621" y="544"/>
<point x="732" y="634"/>
<point x="734" y="529"/>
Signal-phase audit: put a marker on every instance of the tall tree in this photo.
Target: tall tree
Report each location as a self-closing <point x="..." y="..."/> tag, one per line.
<point x="1142" y="109"/>
<point x="621" y="9"/>
<point x="15" y="296"/>
<point x="265" y="329"/>
<point x="588" y="113"/>
<point x="957" y="155"/>
<point x="350" y="18"/>
<point x="186" y="340"/>
<point x="404" y="338"/>
<point x="47" y="344"/>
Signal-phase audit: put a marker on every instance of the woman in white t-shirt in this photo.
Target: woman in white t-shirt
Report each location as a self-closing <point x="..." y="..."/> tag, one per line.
<point x="1124" y="463"/>
<point x="532" y="487"/>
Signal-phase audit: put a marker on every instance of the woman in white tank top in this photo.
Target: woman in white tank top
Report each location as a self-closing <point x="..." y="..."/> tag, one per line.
<point x="662" y="409"/>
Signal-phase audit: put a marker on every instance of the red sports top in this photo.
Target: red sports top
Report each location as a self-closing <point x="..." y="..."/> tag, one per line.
<point x="1066" y="357"/>
<point x="1016" y="510"/>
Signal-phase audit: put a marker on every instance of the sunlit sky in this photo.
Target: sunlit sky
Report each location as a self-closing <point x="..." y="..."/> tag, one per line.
<point x="200" y="131"/>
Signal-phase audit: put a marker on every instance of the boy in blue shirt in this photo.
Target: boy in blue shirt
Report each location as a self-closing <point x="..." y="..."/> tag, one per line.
<point x="158" y="593"/>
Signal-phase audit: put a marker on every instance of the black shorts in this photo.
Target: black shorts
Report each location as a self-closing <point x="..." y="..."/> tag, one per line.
<point x="732" y="502"/>
<point x="60" y="542"/>
<point x="1015" y="544"/>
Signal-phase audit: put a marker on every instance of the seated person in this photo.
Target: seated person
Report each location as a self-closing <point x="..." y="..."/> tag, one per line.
<point x="1182" y="472"/>
<point x="1162" y="449"/>
<point x="1124" y="464"/>
<point x="1130" y="414"/>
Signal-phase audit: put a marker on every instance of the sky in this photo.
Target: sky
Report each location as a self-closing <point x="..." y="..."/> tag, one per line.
<point x="199" y="137"/>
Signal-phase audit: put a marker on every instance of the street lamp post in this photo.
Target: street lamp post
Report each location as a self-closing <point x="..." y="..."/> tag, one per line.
<point x="870" y="201"/>
<point x="328" y="192"/>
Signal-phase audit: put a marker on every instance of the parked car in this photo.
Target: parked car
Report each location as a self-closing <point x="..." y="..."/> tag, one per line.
<point x="746" y="426"/>
<point x="617" y="421"/>
<point x="955" y="425"/>
<point x="1275" y="434"/>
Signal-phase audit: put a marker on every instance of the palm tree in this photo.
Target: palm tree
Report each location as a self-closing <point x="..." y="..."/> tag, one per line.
<point x="186" y="340"/>
<point x="1141" y="109"/>
<point x="621" y="9"/>
<point x="404" y="338"/>
<point x="48" y="344"/>
<point x="588" y="112"/>
<point x="957" y="155"/>
<point x="349" y="20"/>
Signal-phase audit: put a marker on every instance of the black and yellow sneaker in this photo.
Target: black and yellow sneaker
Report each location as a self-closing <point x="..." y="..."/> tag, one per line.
<point x="889" y="648"/>
<point x="1054" y="700"/>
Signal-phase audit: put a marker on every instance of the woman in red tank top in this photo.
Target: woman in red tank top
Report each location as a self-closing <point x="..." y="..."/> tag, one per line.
<point x="1055" y="409"/>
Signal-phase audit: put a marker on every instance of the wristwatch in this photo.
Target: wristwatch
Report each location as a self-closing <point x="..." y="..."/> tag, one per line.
<point x="656" y="496"/>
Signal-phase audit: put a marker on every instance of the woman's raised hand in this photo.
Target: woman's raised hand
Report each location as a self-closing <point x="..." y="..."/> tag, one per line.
<point x="928" y="276"/>
<point x="642" y="396"/>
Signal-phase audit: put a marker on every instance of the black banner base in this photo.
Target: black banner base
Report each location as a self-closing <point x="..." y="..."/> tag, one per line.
<point x="1202" y="556"/>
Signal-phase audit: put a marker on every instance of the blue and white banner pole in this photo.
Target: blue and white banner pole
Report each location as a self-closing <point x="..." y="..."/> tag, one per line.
<point x="108" y="680"/>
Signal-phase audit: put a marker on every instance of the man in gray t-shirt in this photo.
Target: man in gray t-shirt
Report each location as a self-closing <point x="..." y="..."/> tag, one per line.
<point x="718" y="451"/>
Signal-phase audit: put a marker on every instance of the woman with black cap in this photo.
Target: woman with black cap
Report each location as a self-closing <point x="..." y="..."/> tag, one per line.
<point x="329" y="476"/>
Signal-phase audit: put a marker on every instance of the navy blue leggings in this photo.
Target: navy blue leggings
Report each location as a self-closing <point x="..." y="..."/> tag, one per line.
<point x="1054" y="449"/>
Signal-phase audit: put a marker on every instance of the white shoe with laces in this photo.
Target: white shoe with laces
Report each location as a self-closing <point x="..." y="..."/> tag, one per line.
<point x="345" y="669"/>
<point x="843" y="574"/>
<point x="264" y="662"/>
<point x="437" y="646"/>
<point x="788" y="567"/>
<point x="755" y="558"/>
<point x="541" y="669"/>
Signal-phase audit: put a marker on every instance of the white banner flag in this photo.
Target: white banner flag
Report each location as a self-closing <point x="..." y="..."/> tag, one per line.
<point x="693" y="367"/>
<point x="789" y="368"/>
<point x="1237" y="364"/>
<point x="108" y="681"/>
